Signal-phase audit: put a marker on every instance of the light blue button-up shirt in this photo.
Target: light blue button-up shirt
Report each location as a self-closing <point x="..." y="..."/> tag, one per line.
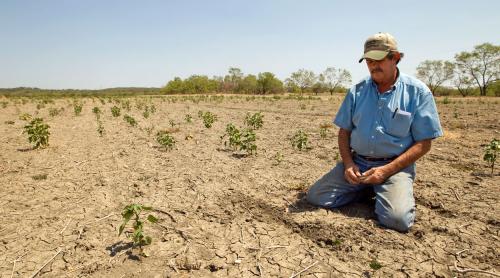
<point x="385" y="125"/>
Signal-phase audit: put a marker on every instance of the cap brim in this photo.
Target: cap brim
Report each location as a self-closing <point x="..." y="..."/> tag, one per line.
<point x="374" y="55"/>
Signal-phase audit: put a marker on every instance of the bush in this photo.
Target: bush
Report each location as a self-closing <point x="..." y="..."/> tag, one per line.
<point x="165" y="140"/>
<point x="115" y="111"/>
<point x="209" y="119"/>
<point x="38" y="133"/>
<point x="254" y="121"/>
<point x="130" y="120"/>
<point x="300" y="140"/>
<point x="77" y="108"/>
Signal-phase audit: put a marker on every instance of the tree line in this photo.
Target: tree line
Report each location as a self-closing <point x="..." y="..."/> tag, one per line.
<point x="469" y="72"/>
<point x="235" y="81"/>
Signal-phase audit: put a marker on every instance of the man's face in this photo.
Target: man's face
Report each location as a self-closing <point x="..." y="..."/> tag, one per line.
<point x="383" y="70"/>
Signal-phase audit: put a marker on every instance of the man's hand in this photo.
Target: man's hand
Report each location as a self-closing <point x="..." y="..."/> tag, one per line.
<point x="375" y="175"/>
<point x="352" y="174"/>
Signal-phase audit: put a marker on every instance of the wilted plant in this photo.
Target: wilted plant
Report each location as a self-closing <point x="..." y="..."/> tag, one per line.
<point x="188" y="118"/>
<point x="146" y="114"/>
<point x="254" y="121"/>
<point x="54" y="112"/>
<point x="323" y="132"/>
<point x="200" y="114"/>
<point x="38" y="133"/>
<point x="130" y="120"/>
<point x="100" y="128"/>
<point x="278" y="157"/>
<point x="77" y="108"/>
<point x="25" y="117"/>
<point x="138" y="236"/>
<point x="9" y="122"/>
<point x="491" y="153"/>
<point x="165" y="139"/>
<point x="115" y="111"/>
<point x="152" y="108"/>
<point x="126" y="105"/>
<point x="172" y="123"/>
<point x="209" y="119"/>
<point x="300" y="140"/>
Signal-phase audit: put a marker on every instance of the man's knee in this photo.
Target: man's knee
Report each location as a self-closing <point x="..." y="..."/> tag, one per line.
<point x="399" y="219"/>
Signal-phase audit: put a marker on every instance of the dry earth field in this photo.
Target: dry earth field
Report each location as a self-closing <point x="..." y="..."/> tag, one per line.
<point x="225" y="215"/>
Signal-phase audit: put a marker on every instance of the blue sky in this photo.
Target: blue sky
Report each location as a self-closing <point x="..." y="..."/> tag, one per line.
<point x="99" y="44"/>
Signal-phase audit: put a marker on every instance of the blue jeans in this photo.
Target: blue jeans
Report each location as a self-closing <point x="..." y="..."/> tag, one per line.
<point x="394" y="205"/>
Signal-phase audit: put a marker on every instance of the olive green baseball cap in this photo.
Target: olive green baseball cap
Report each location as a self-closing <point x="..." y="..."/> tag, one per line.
<point x="378" y="46"/>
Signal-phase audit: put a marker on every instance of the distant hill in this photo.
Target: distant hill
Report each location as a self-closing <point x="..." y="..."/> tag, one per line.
<point x="120" y="91"/>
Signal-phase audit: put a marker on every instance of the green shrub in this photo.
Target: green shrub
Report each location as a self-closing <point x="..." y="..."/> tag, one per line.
<point x="300" y="140"/>
<point x="115" y="111"/>
<point x="77" y="108"/>
<point x="130" y="120"/>
<point x="38" y="133"/>
<point x="254" y="121"/>
<point x="491" y="153"/>
<point x="209" y="119"/>
<point x="188" y="118"/>
<point x="165" y="140"/>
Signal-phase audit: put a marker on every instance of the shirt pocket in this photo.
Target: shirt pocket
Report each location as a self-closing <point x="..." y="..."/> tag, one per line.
<point x="399" y="124"/>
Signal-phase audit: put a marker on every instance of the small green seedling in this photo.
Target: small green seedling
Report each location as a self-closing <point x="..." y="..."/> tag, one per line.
<point x="300" y="140"/>
<point x="323" y="132"/>
<point x="375" y="265"/>
<point x="165" y="139"/>
<point x="77" y="108"/>
<point x="97" y="112"/>
<point x="38" y="133"/>
<point x="491" y="153"/>
<point x="138" y="237"/>
<point x="146" y="112"/>
<point x="115" y="111"/>
<point x="254" y="121"/>
<point x="209" y="119"/>
<point x="130" y="120"/>
<point x="188" y="118"/>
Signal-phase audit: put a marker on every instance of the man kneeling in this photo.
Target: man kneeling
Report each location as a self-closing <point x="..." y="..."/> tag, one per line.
<point x="387" y="122"/>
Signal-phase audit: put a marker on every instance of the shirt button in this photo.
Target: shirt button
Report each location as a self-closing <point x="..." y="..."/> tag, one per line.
<point x="373" y="136"/>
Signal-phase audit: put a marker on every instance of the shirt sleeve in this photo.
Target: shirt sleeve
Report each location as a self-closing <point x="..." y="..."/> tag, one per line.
<point x="426" y="123"/>
<point x="343" y="119"/>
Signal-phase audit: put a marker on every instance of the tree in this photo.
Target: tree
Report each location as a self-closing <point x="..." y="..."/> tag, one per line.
<point x="233" y="79"/>
<point x="249" y="84"/>
<point x="463" y="83"/>
<point x="305" y="79"/>
<point x="320" y="86"/>
<point x="435" y="72"/>
<point x="175" y="86"/>
<point x="268" y="83"/>
<point x="482" y="65"/>
<point x="336" y="78"/>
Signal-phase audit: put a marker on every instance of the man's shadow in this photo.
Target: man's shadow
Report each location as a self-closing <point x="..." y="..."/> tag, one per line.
<point x="362" y="207"/>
